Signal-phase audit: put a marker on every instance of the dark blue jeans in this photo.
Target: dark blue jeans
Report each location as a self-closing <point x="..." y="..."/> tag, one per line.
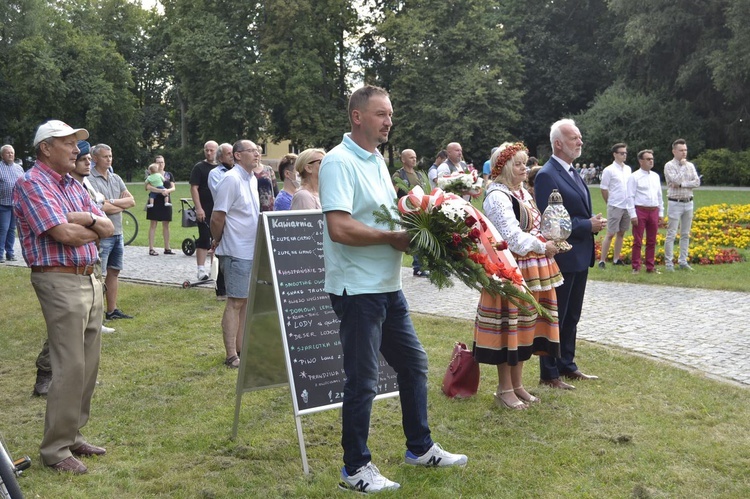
<point x="7" y="231"/>
<point x="372" y="323"/>
<point x="416" y="264"/>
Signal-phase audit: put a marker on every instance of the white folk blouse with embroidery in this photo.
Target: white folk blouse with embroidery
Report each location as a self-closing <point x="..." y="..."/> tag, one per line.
<point x="499" y="209"/>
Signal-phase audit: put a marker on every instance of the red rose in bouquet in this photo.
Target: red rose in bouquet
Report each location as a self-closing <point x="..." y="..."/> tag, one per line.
<point x="453" y="239"/>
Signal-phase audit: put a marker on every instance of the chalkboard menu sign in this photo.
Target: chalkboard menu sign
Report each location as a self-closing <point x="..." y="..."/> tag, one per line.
<point x="288" y="303"/>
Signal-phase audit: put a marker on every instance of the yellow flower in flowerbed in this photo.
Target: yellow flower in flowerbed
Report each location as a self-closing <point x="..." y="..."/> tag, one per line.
<point x="718" y="231"/>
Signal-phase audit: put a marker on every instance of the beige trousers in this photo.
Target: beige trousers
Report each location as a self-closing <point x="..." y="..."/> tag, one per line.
<point x="72" y="306"/>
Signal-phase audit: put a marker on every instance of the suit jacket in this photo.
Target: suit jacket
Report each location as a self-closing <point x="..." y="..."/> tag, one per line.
<point x="553" y="175"/>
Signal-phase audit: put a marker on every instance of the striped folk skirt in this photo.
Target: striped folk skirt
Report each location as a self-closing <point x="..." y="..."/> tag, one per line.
<point x="503" y="333"/>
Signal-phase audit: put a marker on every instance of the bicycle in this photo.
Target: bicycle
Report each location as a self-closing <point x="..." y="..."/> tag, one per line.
<point x="9" y="471"/>
<point x="129" y="227"/>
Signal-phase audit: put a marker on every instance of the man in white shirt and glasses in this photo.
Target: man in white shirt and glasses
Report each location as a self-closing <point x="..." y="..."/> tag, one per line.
<point x="234" y="223"/>
<point x="614" y="188"/>
<point x="646" y="209"/>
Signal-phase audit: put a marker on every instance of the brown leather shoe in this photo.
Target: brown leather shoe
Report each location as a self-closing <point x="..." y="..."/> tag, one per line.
<point x="70" y="465"/>
<point x="578" y="375"/>
<point x="89" y="450"/>
<point x="556" y="383"/>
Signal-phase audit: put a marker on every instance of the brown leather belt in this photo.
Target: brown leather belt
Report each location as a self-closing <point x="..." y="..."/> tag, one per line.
<point x="681" y="200"/>
<point x="86" y="270"/>
<point x="648" y="208"/>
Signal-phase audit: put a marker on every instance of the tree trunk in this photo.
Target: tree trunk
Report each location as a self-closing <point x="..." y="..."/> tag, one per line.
<point x="183" y="120"/>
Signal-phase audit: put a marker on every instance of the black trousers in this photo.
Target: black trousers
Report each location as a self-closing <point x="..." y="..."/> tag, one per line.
<point x="569" y="304"/>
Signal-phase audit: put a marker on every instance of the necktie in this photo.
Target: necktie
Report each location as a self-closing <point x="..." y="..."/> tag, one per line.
<point x="577" y="180"/>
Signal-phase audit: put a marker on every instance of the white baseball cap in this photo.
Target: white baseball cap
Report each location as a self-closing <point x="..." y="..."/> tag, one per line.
<point x="56" y="128"/>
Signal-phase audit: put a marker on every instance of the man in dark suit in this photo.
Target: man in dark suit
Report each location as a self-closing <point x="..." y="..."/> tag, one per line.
<point x="558" y="173"/>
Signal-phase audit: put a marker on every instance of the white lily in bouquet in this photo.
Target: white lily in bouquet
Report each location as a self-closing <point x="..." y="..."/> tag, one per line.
<point x="454" y="239"/>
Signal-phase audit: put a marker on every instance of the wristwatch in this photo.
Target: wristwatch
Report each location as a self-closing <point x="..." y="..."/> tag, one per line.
<point x="93" y="221"/>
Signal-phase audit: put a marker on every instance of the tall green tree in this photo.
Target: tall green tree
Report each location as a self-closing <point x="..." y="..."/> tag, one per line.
<point x="567" y="54"/>
<point x="153" y="87"/>
<point x="216" y="79"/>
<point x="19" y="42"/>
<point x="730" y="66"/>
<point x="67" y="71"/>
<point x="675" y="46"/>
<point x="475" y="71"/>
<point x="137" y="35"/>
<point x="99" y="93"/>
<point x="305" y="54"/>
<point x="643" y="121"/>
<point x="453" y="75"/>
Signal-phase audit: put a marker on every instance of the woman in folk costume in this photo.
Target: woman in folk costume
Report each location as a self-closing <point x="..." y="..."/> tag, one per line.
<point x="503" y="336"/>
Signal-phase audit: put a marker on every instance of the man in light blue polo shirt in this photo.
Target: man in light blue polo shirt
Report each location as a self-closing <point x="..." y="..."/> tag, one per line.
<point x="363" y="278"/>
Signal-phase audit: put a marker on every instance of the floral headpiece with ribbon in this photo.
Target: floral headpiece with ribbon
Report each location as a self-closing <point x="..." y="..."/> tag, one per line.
<point x="506" y="155"/>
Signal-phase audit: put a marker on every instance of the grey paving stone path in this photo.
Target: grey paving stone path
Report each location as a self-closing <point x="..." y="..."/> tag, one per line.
<point x="698" y="329"/>
<point x="703" y="330"/>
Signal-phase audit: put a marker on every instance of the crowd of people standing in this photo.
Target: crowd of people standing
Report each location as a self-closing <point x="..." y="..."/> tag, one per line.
<point x="68" y="209"/>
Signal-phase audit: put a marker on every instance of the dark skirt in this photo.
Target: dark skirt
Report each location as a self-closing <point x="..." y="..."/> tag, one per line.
<point x="159" y="212"/>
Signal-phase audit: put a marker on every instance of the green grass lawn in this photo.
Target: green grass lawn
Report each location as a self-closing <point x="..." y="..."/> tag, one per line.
<point x="164" y="407"/>
<point x="705" y="196"/>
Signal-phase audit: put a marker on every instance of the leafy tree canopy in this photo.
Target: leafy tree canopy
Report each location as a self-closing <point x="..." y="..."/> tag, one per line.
<point x="474" y="71"/>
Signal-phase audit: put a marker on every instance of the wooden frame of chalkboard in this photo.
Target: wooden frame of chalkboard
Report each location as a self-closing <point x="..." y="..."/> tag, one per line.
<point x="291" y="332"/>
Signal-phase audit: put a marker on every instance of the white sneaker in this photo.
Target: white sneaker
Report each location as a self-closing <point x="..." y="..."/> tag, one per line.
<point x="202" y="275"/>
<point x="366" y="480"/>
<point x="107" y="330"/>
<point x="436" y="456"/>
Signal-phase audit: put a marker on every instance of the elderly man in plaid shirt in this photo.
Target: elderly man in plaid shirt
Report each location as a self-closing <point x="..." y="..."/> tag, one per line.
<point x="58" y="226"/>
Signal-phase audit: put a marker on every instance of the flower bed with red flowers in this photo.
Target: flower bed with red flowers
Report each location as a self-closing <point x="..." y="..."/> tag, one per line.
<point x="718" y="231"/>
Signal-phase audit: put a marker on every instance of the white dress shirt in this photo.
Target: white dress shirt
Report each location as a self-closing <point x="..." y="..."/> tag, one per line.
<point x="237" y="196"/>
<point x="615" y="181"/>
<point x="644" y="189"/>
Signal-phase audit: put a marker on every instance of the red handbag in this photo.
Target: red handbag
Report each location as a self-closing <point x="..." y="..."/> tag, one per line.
<point x="461" y="380"/>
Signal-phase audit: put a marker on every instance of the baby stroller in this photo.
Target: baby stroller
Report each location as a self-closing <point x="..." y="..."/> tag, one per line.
<point x="189" y="219"/>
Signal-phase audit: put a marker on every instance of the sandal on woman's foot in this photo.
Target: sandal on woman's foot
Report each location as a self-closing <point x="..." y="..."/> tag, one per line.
<point x="169" y="252"/>
<point x="153" y="253"/>
<point x="232" y="362"/>
<point x="525" y="396"/>
<point x="516" y="406"/>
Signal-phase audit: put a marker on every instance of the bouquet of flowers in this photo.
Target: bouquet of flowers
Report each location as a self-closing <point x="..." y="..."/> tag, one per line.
<point x="462" y="184"/>
<point x="453" y="239"/>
